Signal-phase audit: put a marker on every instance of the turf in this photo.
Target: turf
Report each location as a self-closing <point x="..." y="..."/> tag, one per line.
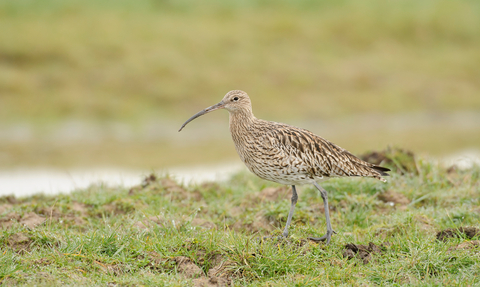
<point x="161" y="233"/>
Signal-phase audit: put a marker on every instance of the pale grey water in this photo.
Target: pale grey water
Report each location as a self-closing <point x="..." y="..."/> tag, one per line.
<point x="29" y="181"/>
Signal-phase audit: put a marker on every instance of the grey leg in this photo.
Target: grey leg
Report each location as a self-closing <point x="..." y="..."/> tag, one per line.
<point x="330" y="231"/>
<point x="290" y="213"/>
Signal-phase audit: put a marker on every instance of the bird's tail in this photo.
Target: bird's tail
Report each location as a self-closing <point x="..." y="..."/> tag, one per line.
<point x="382" y="171"/>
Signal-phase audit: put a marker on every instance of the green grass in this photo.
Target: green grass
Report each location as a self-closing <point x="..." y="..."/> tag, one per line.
<point x="94" y="236"/>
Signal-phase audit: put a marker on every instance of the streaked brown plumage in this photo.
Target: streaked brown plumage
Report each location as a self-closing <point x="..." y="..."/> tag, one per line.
<point x="287" y="154"/>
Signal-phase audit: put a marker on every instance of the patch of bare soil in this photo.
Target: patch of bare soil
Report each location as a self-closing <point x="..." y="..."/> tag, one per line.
<point x="394" y="199"/>
<point x="54" y="214"/>
<point x="149" y="182"/>
<point x="9" y="199"/>
<point x="210" y="186"/>
<point x="112" y="208"/>
<point x="9" y="219"/>
<point x="166" y="186"/>
<point x="400" y="160"/>
<point x="217" y="276"/>
<point x="214" y="279"/>
<point x="274" y="193"/>
<point x="468" y="232"/>
<point x="177" y="192"/>
<point x="260" y="223"/>
<point x="186" y="267"/>
<point x="79" y="208"/>
<point x="50" y="212"/>
<point x="19" y="241"/>
<point x="79" y="212"/>
<point x="364" y="252"/>
<point x="5" y="208"/>
<point x="149" y="179"/>
<point x="468" y="245"/>
<point x="32" y="220"/>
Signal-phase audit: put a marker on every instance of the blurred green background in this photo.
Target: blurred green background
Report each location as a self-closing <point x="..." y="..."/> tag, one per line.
<point x="96" y="83"/>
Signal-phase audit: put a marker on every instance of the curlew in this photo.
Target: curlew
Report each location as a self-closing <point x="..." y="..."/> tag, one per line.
<point x="288" y="155"/>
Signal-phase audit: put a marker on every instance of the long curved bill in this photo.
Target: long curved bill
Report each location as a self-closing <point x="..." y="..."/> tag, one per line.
<point x="205" y="111"/>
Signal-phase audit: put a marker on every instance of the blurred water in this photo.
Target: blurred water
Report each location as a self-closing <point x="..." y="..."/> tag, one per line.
<point x="24" y="182"/>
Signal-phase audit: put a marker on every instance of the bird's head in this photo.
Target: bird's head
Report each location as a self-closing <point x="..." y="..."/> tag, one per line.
<point x="234" y="102"/>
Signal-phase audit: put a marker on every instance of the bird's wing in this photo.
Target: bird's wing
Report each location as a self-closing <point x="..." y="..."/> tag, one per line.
<point x="323" y="157"/>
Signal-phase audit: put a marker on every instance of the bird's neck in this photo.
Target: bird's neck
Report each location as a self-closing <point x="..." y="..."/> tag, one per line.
<point x="240" y="128"/>
<point x="240" y="123"/>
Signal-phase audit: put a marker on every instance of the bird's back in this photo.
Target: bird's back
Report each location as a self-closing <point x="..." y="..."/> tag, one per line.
<point x="290" y="155"/>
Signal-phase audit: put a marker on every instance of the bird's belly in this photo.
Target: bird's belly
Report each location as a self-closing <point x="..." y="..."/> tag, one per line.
<point x="283" y="178"/>
<point x="289" y="173"/>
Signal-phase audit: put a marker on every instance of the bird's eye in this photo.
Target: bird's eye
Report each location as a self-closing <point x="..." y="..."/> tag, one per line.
<point x="235" y="99"/>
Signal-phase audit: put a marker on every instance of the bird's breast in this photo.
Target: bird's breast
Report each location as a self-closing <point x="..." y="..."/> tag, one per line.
<point x="270" y="162"/>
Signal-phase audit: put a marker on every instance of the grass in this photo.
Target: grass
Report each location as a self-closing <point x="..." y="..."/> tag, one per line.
<point x="161" y="233"/>
<point x="138" y="63"/>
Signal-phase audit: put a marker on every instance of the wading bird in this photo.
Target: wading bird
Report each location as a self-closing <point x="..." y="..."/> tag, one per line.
<point x="288" y="155"/>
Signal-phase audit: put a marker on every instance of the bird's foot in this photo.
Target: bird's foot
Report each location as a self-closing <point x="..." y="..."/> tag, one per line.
<point x="326" y="237"/>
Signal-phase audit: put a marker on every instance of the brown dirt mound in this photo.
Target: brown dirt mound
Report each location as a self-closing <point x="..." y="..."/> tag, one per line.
<point x="9" y="219"/>
<point x="79" y="208"/>
<point x="54" y="214"/>
<point x="166" y="186"/>
<point x="396" y="198"/>
<point x="468" y="245"/>
<point x="261" y="223"/>
<point x="50" y="212"/>
<point x="152" y="178"/>
<point x="468" y="232"/>
<point x="399" y="160"/>
<point x="212" y="280"/>
<point x="275" y="193"/>
<point x="186" y="267"/>
<point x="5" y="208"/>
<point x="19" y="241"/>
<point x="32" y="220"/>
<point x="363" y="252"/>
<point x="218" y="276"/>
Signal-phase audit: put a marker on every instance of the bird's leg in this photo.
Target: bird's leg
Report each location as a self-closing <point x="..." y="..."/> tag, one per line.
<point x="290" y="213"/>
<point x="330" y="231"/>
